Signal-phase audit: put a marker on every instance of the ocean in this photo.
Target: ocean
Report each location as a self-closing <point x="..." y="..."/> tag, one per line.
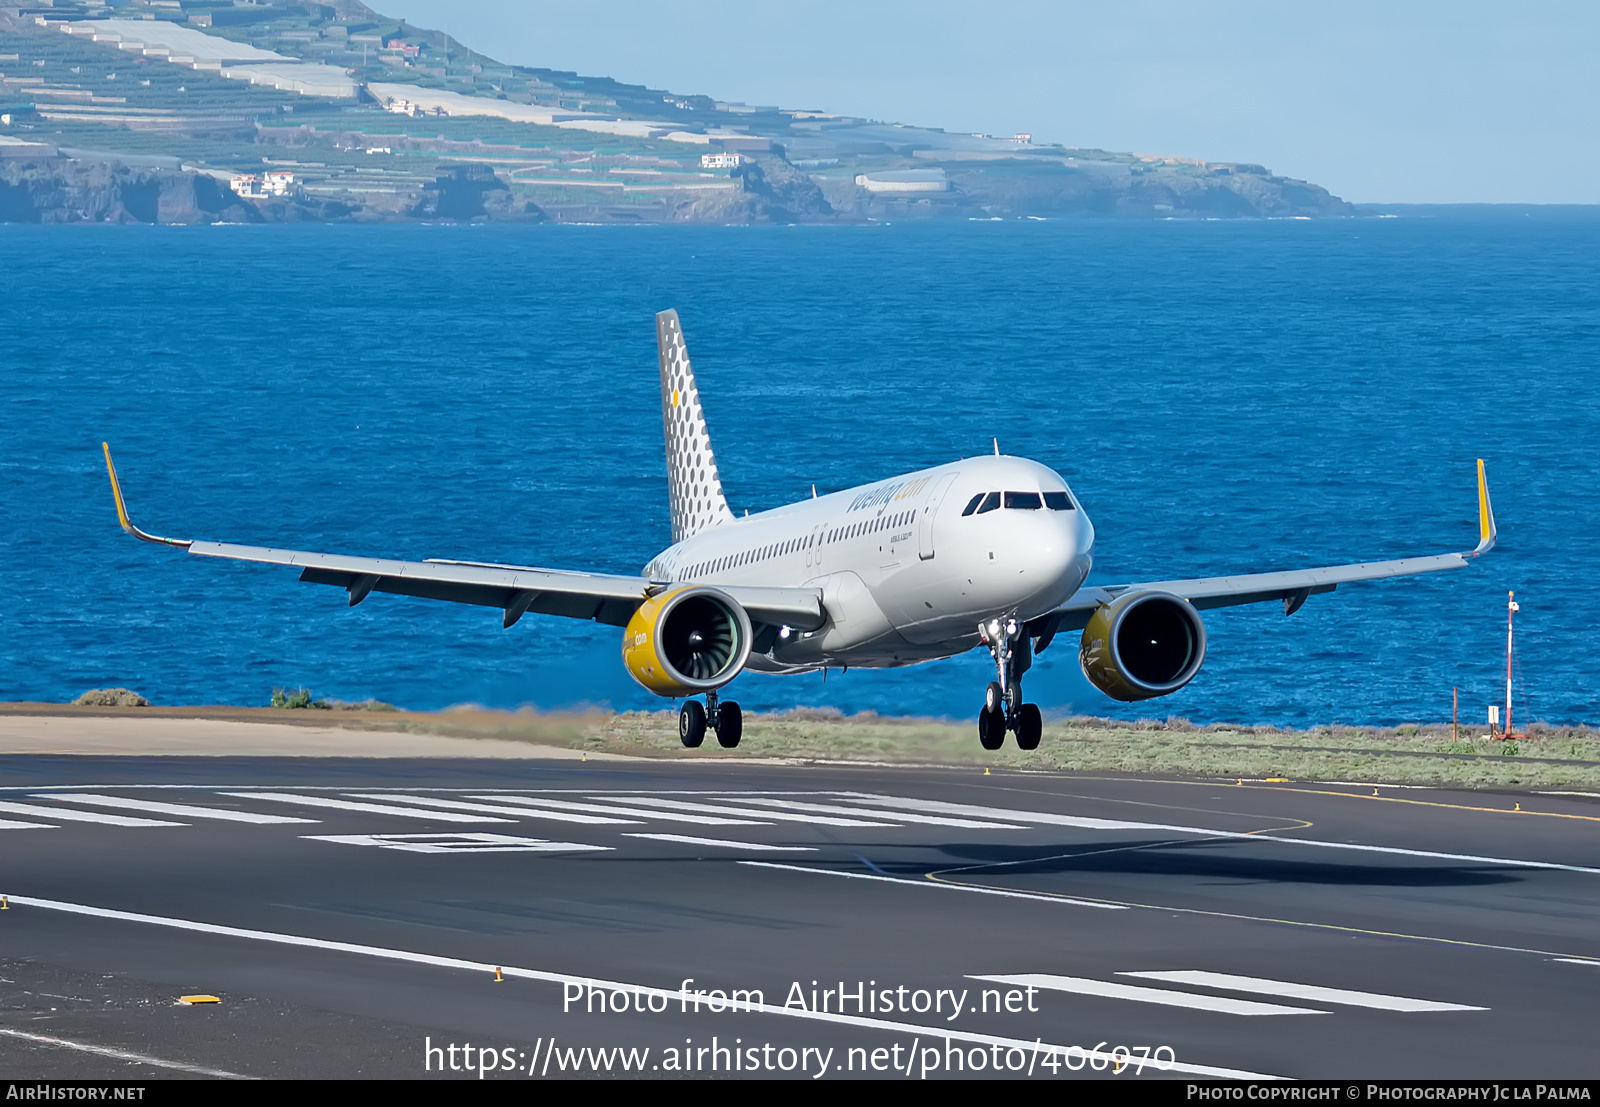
<point x="1221" y="396"/>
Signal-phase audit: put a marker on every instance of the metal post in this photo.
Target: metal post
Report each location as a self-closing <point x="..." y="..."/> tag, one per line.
<point x="1511" y="609"/>
<point x="1455" y="713"/>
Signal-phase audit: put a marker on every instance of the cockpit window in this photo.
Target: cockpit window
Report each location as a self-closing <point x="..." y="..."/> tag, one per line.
<point x="1025" y="501"/>
<point x="972" y="504"/>
<point x="1058" y="501"/>
<point x="990" y="502"/>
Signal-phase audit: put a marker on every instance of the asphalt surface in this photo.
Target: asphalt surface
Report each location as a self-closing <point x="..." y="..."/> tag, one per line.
<point x="337" y="947"/>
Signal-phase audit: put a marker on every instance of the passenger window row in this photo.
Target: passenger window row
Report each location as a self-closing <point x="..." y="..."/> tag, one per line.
<point x="869" y="526"/>
<point x="1019" y="501"/>
<point x="750" y="557"/>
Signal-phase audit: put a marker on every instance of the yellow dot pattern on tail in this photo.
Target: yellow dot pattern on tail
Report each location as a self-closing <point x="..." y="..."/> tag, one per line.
<point x="694" y="489"/>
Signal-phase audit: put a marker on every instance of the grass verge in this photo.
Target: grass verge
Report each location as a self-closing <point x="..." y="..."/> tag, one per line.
<point x="1566" y="758"/>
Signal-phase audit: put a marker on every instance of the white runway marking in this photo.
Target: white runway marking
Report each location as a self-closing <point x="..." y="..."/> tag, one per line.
<point x="783" y="816"/>
<point x="690" y="840"/>
<point x="63" y="814"/>
<point x="937" y="1033"/>
<point x="157" y="808"/>
<point x="367" y="808"/>
<point x="497" y="809"/>
<point x="900" y="816"/>
<point x="938" y="885"/>
<point x="1046" y="818"/>
<point x="454" y="843"/>
<point x="1308" y="992"/>
<point x="1001" y="814"/>
<point x="1577" y="961"/>
<point x="1111" y="990"/>
<point x="662" y="816"/>
<point x="121" y="1055"/>
<point x="7" y="824"/>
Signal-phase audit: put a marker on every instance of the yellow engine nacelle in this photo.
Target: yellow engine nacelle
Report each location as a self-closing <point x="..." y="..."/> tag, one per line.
<point x="686" y="640"/>
<point x="1142" y="645"/>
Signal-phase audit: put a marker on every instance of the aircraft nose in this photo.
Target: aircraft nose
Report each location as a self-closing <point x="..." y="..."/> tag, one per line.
<point x="1049" y="550"/>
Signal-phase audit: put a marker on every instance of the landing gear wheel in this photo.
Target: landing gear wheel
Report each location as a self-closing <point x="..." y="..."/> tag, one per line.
<point x="1030" y="726"/>
<point x="692" y="724"/>
<point x="991" y="727"/>
<point x="1013" y="698"/>
<point x="730" y="725"/>
<point x="993" y="697"/>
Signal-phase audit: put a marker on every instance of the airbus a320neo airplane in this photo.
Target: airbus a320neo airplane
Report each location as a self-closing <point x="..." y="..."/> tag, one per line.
<point x="986" y="550"/>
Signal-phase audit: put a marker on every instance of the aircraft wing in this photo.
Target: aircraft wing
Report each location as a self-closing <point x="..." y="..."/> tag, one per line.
<point x="1292" y="587"/>
<point x="515" y="589"/>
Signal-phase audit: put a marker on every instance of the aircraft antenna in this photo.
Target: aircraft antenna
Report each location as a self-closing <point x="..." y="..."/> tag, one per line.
<point x="996" y="447"/>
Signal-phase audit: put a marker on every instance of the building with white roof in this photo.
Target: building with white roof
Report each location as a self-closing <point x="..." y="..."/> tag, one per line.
<point x="904" y="180"/>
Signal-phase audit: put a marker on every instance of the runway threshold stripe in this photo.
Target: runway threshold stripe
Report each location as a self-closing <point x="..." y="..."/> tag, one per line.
<point x="122" y="1055"/>
<point x="367" y="808"/>
<point x="690" y="840"/>
<point x="8" y="824"/>
<point x="463" y="843"/>
<point x="65" y="815"/>
<point x="157" y="808"/>
<point x="1002" y="814"/>
<point x="934" y="1033"/>
<point x="900" y="816"/>
<point x="782" y="816"/>
<point x="1110" y="989"/>
<point x="1050" y="819"/>
<point x="1308" y="992"/>
<point x="634" y="812"/>
<point x="497" y="809"/>
<point x="939" y="885"/>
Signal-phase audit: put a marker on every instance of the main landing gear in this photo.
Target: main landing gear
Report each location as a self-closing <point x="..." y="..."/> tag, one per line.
<point x="1003" y="708"/>
<point x="724" y="718"/>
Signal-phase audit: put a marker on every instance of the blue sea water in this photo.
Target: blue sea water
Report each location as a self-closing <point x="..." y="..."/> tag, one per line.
<point x="1222" y="397"/>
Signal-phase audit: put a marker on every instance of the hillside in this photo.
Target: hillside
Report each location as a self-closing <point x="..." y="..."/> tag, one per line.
<point x="146" y="111"/>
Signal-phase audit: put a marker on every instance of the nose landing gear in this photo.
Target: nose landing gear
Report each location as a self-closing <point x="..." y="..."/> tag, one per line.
<point x="1003" y="708"/>
<point x="724" y="718"/>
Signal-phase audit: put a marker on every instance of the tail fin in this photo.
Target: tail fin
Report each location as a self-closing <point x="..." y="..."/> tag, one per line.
<point x="693" y="487"/>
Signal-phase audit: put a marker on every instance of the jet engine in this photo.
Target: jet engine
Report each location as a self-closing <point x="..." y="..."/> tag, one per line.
<point x="686" y="640"/>
<point x="1142" y="645"/>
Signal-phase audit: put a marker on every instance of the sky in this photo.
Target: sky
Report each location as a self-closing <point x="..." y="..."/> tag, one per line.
<point x="1392" y="102"/>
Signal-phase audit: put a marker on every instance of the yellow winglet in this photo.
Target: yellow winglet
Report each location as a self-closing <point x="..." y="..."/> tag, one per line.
<point x="122" y="509"/>
<point x="1486" y="527"/>
<point x="116" y="490"/>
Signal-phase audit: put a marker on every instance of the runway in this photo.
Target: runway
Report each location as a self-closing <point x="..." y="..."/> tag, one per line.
<point x="352" y="915"/>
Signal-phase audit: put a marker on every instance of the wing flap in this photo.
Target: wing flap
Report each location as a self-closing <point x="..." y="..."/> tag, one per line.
<point x="1291" y="586"/>
<point x="604" y="598"/>
<point x="1206" y="592"/>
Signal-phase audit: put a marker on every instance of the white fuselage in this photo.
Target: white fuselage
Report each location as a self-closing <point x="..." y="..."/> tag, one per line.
<point x="905" y="575"/>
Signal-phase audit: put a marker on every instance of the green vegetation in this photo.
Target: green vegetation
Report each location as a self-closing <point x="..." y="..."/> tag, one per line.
<point x="302" y="699"/>
<point x="1551" y="757"/>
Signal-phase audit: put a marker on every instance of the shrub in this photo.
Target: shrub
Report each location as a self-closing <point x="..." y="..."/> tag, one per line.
<point x="299" y="698"/>
<point x="111" y="697"/>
